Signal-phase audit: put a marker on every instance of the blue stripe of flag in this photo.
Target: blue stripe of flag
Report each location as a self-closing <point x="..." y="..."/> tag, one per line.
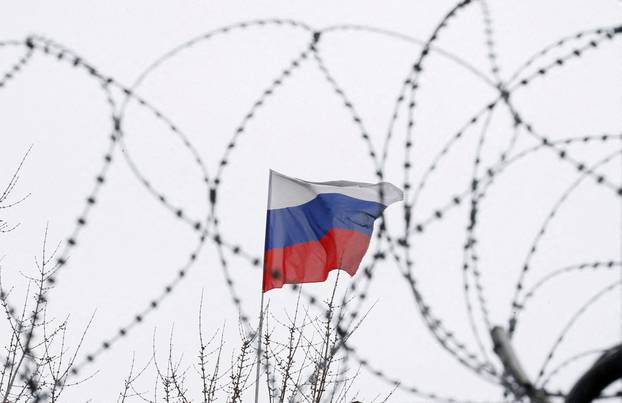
<point x="312" y="220"/>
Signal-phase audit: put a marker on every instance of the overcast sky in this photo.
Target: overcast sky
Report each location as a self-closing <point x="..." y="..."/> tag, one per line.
<point x="132" y="246"/>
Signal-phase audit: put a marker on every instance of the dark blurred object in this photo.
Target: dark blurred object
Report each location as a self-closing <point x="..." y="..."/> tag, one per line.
<point x="606" y="370"/>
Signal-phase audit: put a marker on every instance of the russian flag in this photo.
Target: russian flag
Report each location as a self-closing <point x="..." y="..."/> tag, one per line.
<point x="315" y="227"/>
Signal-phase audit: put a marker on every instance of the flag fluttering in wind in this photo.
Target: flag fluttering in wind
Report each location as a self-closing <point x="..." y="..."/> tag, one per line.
<point x="315" y="227"/>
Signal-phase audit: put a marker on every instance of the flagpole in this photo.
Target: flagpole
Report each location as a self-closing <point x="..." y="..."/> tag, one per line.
<point x="262" y="294"/>
<point x="259" y="349"/>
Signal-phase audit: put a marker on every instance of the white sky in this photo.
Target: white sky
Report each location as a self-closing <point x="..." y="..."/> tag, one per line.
<point x="132" y="246"/>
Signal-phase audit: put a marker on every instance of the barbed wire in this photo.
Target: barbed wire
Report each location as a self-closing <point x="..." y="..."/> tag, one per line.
<point x="389" y="247"/>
